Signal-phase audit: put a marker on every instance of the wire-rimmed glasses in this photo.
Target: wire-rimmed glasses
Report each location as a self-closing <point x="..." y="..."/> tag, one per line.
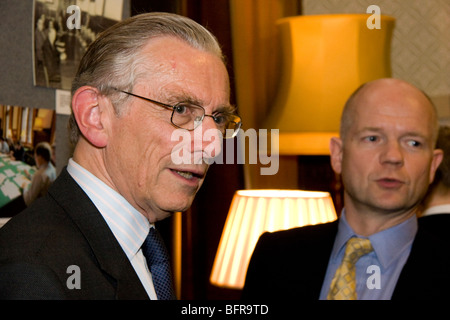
<point x="189" y="116"/>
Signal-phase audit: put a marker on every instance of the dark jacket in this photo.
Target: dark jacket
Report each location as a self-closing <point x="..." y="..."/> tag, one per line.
<point x="60" y="237"/>
<point x="291" y="264"/>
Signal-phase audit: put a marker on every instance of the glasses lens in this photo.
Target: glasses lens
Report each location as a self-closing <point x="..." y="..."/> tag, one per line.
<point x="230" y="126"/>
<point x="187" y="116"/>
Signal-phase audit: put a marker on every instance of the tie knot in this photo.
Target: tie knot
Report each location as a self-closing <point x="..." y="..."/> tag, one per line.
<point x="356" y="248"/>
<point x="154" y="249"/>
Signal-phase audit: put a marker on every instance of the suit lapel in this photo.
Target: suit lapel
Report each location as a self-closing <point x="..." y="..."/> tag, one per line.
<point x="107" y="250"/>
<point x="323" y="245"/>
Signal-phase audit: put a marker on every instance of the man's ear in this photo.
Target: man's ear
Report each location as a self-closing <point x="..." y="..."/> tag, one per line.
<point x="88" y="114"/>
<point x="438" y="156"/>
<point x="336" y="149"/>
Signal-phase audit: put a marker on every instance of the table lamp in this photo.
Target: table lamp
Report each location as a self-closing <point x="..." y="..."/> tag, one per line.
<point x="324" y="59"/>
<point x="253" y="212"/>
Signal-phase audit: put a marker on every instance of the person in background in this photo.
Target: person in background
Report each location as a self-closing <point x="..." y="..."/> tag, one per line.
<point x="18" y="151"/>
<point x="4" y="147"/>
<point x="437" y="200"/>
<point x="377" y="249"/>
<point x="148" y="88"/>
<point x="43" y="177"/>
<point x="435" y="208"/>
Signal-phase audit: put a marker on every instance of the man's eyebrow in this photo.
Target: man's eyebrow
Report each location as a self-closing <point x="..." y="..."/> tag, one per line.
<point x="183" y="97"/>
<point x="225" y="108"/>
<point x="416" y="134"/>
<point x="405" y="134"/>
<point x="369" y="129"/>
<point x="228" y="108"/>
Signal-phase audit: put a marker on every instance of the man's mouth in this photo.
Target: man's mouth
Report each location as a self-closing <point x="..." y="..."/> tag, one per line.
<point x="390" y="183"/>
<point x="185" y="174"/>
<point x="189" y="175"/>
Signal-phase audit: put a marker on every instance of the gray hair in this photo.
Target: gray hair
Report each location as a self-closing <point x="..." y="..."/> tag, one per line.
<point x="112" y="59"/>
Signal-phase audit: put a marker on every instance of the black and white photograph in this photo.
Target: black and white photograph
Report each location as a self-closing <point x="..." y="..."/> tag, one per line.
<point x="62" y="31"/>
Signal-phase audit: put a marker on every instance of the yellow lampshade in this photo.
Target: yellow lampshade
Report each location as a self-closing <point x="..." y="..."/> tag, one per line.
<point x="324" y="59"/>
<point x="253" y="212"/>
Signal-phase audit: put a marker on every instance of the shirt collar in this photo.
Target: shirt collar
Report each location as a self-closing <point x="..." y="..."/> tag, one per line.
<point x="128" y="225"/>
<point x="444" y="208"/>
<point x="387" y="244"/>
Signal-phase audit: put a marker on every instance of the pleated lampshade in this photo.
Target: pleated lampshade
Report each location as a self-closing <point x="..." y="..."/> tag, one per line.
<point x="253" y="212"/>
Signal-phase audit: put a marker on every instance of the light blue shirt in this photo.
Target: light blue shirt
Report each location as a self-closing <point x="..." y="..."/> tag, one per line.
<point x="128" y="225"/>
<point x="378" y="271"/>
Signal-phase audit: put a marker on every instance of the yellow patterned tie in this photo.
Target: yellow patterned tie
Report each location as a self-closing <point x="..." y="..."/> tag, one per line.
<point x="343" y="285"/>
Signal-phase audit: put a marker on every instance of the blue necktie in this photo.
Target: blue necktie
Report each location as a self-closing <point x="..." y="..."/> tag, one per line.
<point x="158" y="262"/>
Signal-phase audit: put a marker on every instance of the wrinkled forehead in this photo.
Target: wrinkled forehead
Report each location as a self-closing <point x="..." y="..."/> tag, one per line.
<point x="170" y="55"/>
<point x="172" y="70"/>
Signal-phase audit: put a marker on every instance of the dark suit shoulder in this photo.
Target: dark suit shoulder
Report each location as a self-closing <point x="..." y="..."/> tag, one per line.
<point x="28" y="281"/>
<point x="281" y="260"/>
<point x="44" y="216"/>
<point x="425" y="274"/>
<point x="306" y="237"/>
<point x="441" y="220"/>
<point x="60" y="232"/>
<point x="26" y="232"/>
<point x="34" y="246"/>
<point x="314" y="231"/>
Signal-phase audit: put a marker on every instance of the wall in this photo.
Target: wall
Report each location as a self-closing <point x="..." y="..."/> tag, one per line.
<point x="420" y="45"/>
<point x="16" y="69"/>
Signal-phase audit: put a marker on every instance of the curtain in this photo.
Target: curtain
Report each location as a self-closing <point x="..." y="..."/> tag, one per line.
<point x="256" y="57"/>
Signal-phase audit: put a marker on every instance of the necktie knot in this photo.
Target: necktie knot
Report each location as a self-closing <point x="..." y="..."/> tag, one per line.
<point x="154" y="248"/>
<point x="356" y="248"/>
<point x="158" y="261"/>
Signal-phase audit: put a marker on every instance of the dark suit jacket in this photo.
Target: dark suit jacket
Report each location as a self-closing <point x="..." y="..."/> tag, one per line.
<point x="57" y="231"/>
<point x="292" y="264"/>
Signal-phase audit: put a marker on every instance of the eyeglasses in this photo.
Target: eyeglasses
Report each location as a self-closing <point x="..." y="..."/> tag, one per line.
<point x="188" y="116"/>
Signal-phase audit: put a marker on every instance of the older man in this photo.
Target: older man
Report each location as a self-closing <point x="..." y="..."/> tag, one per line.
<point x="376" y="250"/>
<point x="93" y="236"/>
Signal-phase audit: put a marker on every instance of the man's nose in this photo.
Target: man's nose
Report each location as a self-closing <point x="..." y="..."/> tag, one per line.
<point x="207" y="139"/>
<point x="392" y="153"/>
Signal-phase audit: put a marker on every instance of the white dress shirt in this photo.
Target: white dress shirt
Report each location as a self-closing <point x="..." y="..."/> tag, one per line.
<point x="443" y="208"/>
<point x="128" y="225"/>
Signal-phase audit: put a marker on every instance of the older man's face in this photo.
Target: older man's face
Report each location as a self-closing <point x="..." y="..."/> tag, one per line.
<point x="139" y="154"/>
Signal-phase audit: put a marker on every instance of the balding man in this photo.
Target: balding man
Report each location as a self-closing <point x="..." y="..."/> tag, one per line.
<point x="376" y="250"/>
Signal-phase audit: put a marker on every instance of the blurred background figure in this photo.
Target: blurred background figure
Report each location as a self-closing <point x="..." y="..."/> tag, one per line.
<point x="18" y="151"/>
<point x="437" y="200"/>
<point x="44" y="176"/>
<point x="4" y="148"/>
